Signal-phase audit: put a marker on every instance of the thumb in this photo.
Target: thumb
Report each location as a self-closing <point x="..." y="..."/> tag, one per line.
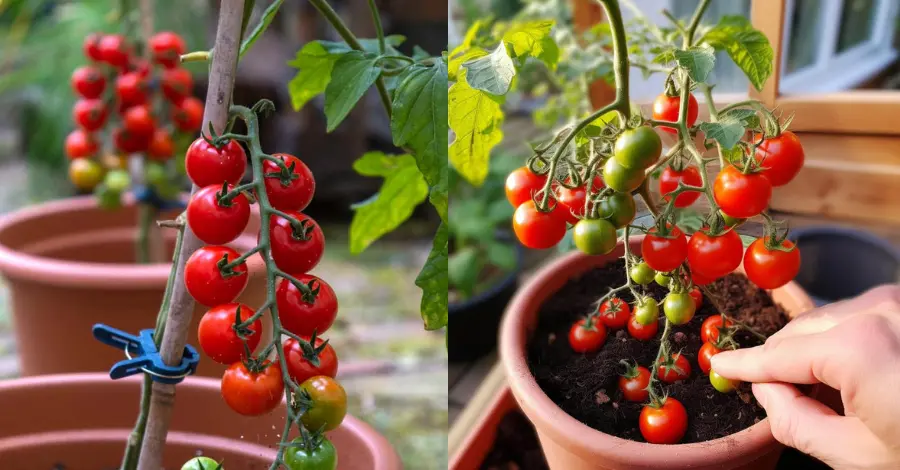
<point x="812" y="428"/>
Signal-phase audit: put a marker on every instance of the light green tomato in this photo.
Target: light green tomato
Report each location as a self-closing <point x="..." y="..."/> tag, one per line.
<point x="117" y="180"/>
<point x="202" y="463"/>
<point x="155" y="174"/>
<point x="642" y="273"/>
<point x="662" y="279"/>
<point x="721" y="383"/>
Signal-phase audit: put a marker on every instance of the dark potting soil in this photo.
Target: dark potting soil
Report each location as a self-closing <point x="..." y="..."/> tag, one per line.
<point x="585" y="385"/>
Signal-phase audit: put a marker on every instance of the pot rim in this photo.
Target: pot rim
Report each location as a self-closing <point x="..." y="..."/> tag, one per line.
<point x="80" y="274"/>
<point x="586" y="440"/>
<point x="385" y="460"/>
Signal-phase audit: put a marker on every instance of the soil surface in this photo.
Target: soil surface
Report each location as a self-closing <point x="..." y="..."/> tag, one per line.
<point x="585" y="385"/>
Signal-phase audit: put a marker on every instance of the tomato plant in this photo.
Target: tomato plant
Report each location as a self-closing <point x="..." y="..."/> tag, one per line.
<point x="318" y="456"/>
<point x="771" y="268"/>
<point x="202" y="463"/>
<point x="670" y="178"/>
<point x="299" y="365"/>
<point x="587" y="335"/>
<point x="328" y="403"/>
<point x="638" y="148"/>
<point x="595" y="236"/>
<point x="618" y="208"/>
<point x="642" y="273"/>
<point x="252" y="392"/>
<point x="208" y="165"/>
<point x="643" y="331"/>
<point x="781" y="158"/>
<point x="665" y="423"/>
<point x="572" y="200"/>
<point x="303" y="313"/>
<point x="536" y="229"/>
<point x="666" y="108"/>
<point x="298" y="244"/>
<point x="621" y="178"/>
<point x="522" y="184"/>
<point x="664" y="253"/>
<point x="89" y="114"/>
<point x="207" y="280"/>
<point x="741" y="195"/>
<point x="80" y="144"/>
<point x="707" y="351"/>
<point x="679" y="307"/>
<point x="634" y="382"/>
<point x="674" y="368"/>
<point x="722" y="384"/>
<point x="714" y="256"/>
<point x="88" y="82"/>
<point x="167" y="48"/>
<point x="219" y="337"/>
<point x="614" y="313"/>
<point x="291" y="187"/>
<point x="709" y="330"/>
<point x="213" y="219"/>
<point x="188" y="114"/>
<point x="697" y="296"/>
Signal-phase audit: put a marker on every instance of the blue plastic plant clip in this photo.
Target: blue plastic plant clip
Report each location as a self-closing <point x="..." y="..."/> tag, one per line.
<point x="144" y="357"/>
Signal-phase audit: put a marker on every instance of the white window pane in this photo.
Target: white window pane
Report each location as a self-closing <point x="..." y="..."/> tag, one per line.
<point x="803" y="32"/>
<point x="857" y="20"/>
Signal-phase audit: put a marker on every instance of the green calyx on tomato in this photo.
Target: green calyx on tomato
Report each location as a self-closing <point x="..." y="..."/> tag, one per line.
<point x="642" y="273"/>
<point x="637" y="148"/>
<point x="202" y="463"/>
<point x="621" y="178"/>
<point x="618" y="208"/>
<point x="595" y="236"/>
<point x="310" y="452"/>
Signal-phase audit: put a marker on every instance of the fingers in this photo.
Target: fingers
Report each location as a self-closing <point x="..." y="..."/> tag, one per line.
<point x="811" y="427"/>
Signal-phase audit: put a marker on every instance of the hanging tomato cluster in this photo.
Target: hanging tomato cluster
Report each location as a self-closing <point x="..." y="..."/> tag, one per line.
<point x="130" y="105"/>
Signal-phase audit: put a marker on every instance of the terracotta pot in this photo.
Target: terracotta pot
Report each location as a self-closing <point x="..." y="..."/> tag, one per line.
<point x="478" y="443"/>
<point x="571" y="445"/>
<point x="70" y="264"/>
<point x="59" y="419"/>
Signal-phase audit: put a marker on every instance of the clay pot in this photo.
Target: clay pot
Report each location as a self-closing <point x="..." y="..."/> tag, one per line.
<point x="480" y="439"/>
<point x="571" y="445"/>
<point x="82" y="421"/>
<point x="70" y="264"/>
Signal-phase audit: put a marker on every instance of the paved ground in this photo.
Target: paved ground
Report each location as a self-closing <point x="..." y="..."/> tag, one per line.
<point x="405" y="397"/>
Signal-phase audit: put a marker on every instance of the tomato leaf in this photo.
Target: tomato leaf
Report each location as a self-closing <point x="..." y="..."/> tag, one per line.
<point x="502" y="255"/>
<point x="698" y="61"/>
<point x="419" y="120"/>
<point x="688" y="220"/>
<point x="456" y="61"/>
<point x="748" y="47"/>
<point x="351" y="76"/>
<point x="533" y="39"/>
<point x="314" y="63"/>
<point x="434" y="282"/>
<point x="403" y="189"/>
<point x="747" y="240"/>
<point x="746" y="116"/>
<point x="475" y="117"/>
<point x="727" y="131"/>
<point x="463" y="268"/>
<point x="492" y="73"/>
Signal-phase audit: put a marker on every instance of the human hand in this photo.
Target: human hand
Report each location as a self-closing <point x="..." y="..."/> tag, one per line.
<point x="852" y="346"/>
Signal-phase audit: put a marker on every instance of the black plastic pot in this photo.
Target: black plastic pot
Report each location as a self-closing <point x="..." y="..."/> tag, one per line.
<point x="839" y="263"/>
<point x="473" y="323"/>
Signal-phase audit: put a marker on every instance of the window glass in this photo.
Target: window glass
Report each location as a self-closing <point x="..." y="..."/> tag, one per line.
<point x="804" y="29"/>
<point x="857" y="20"/>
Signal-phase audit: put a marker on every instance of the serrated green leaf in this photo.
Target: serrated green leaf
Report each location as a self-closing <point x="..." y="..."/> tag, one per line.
<point x="665" y="56"/>
<point x="533" y="39"/>
<point x="747" y="240"/>
<point x="419" y="53"/>
<point x="688" y="220"/>
<point x="403" y="189"/>
<point x="463" y="268"/>
<point x="492" y="73"/>
<point x="419" y="118"/>
<point x="314" y="63"/>
<point x="368" y="45"/>
<point x="351" y="76"/>
<point x="475" y="117"/>
<point x="748" y="47"/>
<point x="432" y="279"/>
<point x="698" y="61"/>
<point x="746" y="116"/>
<point x="727" y="131"/>
<point x="460" y="58"/>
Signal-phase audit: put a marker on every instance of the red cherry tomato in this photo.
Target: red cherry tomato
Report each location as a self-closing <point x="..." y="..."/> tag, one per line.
<point x="771" y="269"/>
<point x="614" y="313"/>
<point x="114" y="50"/>
<point x="304" y="315"/>
<point x="664" y="254"/>
<point x="587" y="336"/>
<point x="188" y="115"/>
<point x="167" y="48"/>
<point x="80" y="144"/>
<point x="666" y="108"/>
<point x="296" y="249"/>
<point x="131" y="88"/>
<point x="634" y="384"/>
<point x="570" y="202"/>
<point x="161" y="147"/>
<point x="707" y="351"/>
<point x="535" y="229"/>
<point x="177" y="84"/>
<point x="782" y="157"/>
<point x="642" y="332"/>
<point x="673" y="375"/>
<point x="89" y="115"/>
<point x="299" y="367"/>
<point x="138" y="121"/>
<point x="697" y="296"/>
<point x="91" y="47"/>
<point x="88" y="82"/>
<point x="715" y="256"/>
<point x="207" y="165"/>
<point x="700" y="280"/>
<point x="741" y="195"/>
<point x="252" y="393"/>
<point x="709" y="331"/>
<point x="218" y="337"/>
<point x="522" y="184"/>
<point x="670" y="178"/>
<point x="127" y="142"/>
<point x="215" y="223"/>
<point x="204" y="280"/>
<point x="298" y="193"/>
<point x="665" y="424"/>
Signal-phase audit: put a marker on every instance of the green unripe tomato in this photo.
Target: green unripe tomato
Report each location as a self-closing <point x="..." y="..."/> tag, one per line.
<point x="679" y="307"/>
<point x="638" y="148"/>
<point x="155" y="174"/>
<point x="721" y="383"/>
<point x="646" y="311"/>
<point x="662" y="279"/>
<point x="618" y="208"/>
<point x="595" y="236"/>
<point x="642" y="273"/>
<point x="117" y="180"/>
<point x="620" y="178"/>
<point x="323" y="457"/>
<point x="107" y="199"/>
<point x="202" y="463"/>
